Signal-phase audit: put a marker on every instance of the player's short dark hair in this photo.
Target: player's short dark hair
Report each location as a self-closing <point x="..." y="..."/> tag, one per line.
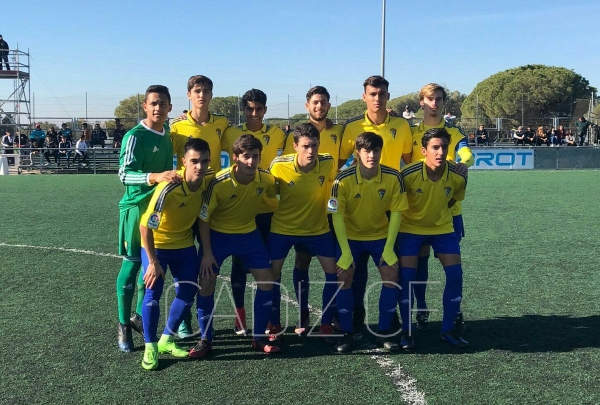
<point x="201" y="81"/>
<point x="431" y="133"/>
<point x="160" y="89"/>
<point x="429" y="89"/>
<point x="246" y="143"/>
<point x="254" y="95"/>
<point x="317" y="90"/>
<point x="368" y="141"/>
<point x="197" y="144"/>
<point x="376" y="81"/>
<point x="307" y="130"/>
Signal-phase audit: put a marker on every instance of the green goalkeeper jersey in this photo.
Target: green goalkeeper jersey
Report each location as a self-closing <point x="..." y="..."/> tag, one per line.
<point x="143" y="151"/>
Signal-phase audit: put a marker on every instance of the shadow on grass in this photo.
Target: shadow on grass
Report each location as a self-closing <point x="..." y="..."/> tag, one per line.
<point x="525" y="334"/>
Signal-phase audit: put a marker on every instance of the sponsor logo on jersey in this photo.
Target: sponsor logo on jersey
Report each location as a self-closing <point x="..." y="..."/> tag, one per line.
<point x="419" y="191"/>
<point x="182" y="205"/>
<point x="155" y="149"/>
<point x="357" y="195"/>
<point x="233" y="196"/>
<point x="204" y="212"/>
<point x="332" y="205"/>
<point x="154" y="220"/>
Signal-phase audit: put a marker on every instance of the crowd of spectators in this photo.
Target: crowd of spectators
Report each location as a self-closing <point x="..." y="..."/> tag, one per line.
<point x="552" y="136"/>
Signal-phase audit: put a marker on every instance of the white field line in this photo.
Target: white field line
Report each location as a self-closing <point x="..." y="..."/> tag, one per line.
<point x="404" y="384"/>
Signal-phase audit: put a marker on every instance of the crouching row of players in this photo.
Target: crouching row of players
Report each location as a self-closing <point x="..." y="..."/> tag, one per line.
<point x="372" y="206"/>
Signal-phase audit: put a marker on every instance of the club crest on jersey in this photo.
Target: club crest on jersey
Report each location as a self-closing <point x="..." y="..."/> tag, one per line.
<point x="154" y="220"/>
<point x="219" y="132"/>
<point x="267" y="138"/>
<point x="334" y="138"/>
<point x="393" y="132"/>
<point x="321" y="180"/>
<point x="259" y="191"/>
<point x="381" y="192"/>
<point x="204" y="212"/>
<point x="447" y="190"/>
<point x="332" y="205"/>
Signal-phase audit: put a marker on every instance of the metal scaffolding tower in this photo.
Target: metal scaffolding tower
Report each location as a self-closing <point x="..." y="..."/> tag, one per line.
<point x="15" y="110"/>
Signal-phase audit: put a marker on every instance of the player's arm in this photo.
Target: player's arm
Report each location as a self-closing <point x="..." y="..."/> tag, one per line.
<point x="388" y="250"/>
<point x="208" y="261"/>
<point x="407" y="145"/>
<point x="130" y="172"/>
<point x="336" y="207"/>
<point x="154" y="271"/>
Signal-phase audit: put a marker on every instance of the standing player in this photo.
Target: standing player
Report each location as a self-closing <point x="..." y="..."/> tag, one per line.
<point x="330" y="138"/>
<point x="146" y="159"/>
<point x="432" y="98"/>
<point x="432" y="186"/>
<point x="228" y="227"/>
<point x="199" y="122"/>
<point x="360" y="198"/>
<point x="167" y="240"/>
<point x="305" y="180"/>
<point x="272" y="138"/>
<point x="397" y="142"/>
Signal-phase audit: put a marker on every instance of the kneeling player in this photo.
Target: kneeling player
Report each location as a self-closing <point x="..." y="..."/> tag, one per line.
<point x="359" y="200"/>
<point x="432" y="187"/>
<point x="166" y="233"/>
<point x="228" y="227"/>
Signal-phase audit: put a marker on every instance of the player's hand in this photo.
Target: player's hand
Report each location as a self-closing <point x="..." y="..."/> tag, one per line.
<point x="392" y="113"/>
<point x="390" y="258"/>
<point x="462" y="169"/>
<point x="344" y="263"/>
<point x="206" y="266"/>
<point x="170" y="175"/>
<point x="154" y="271"/>
<point x="328" y="123"/>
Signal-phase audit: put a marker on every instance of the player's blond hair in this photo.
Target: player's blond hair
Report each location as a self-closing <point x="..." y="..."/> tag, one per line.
<point x="429" y="89"/>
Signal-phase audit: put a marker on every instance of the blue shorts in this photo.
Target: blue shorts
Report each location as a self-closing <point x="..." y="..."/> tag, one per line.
<point x="459" y="227"/>
<point x="359" y="247"/>
<point x="410" y="243"/>
<point x="300" y="248"/>
<point x="183" y="263"/>
<point x="319" y="245"/>
<point x="247" y="246"/>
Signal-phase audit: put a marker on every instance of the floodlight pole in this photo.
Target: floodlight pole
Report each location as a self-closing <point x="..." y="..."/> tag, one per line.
<point x="383" y="41"/>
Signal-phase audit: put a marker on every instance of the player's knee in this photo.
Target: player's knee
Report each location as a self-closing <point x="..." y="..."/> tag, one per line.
<point x="302" y="261"/>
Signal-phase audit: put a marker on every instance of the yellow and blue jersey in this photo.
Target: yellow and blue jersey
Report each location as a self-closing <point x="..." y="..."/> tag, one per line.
<point x="172" y="212"/>
<point x="428" y="212"/>
<point x="271" y="136"/>
<point x="184" y="128"/>
<point x="330" y="140"/>
<point x="364" y="203"/>
<point x="303" y="196"/>
<point x="230" y="207"/>
<point x="395" y="131"/>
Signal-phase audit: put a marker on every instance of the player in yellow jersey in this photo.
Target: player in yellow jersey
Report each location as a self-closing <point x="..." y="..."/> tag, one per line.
<point x="360" y="198"/>
<point x="228" y="227"/>
<point x="199" y="121"/>
<point x="330" y="138"/>
<point x="397" y="143"/>
<point x="167" y="241"/>
<point x="432" y="186"/>
<point x="304" y="180"/>
<point x="254" y="104"/>
<point x="432" y="98"/>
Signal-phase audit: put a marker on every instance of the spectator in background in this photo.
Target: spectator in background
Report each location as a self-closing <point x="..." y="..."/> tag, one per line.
<point x="81" y="153"/>
<point x="582" y="129"/>
<point x="4" y="53"/>
<point x="541" y="138"/>
<point x="64" y="150"/>
<point x="36" y="137"/>
<point x="8" y="141"/>
<point x="51" y="149"/>
<point x="52" y="133"/>
<point x="408" y="115"/>
<point x="481" y="137"/>
<point x="66" y="132"/>
<point x="287" y="129"/>
<point x="118" y="134"/>
<point x="570" y="138"/>
<point x="519" y="136"/>
<point x="560" y="135"/>
<point x="98" y="136"/>
<point x="552" y="137"/>
<point x="529" y="137"/>
<point x="449" y="118"/>
<point x="185" y="112"/>
<point x="87" y="134"/>
<point x="22" y="140"/>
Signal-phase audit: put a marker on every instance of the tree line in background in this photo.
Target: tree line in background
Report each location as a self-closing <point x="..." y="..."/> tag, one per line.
<point x="532" y="91"/>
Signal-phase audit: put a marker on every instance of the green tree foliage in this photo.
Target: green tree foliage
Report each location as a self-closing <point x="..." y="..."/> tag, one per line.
<point x="350" y="109"/>
<point x="543" y="91"/>
<point x="227" y="106"/>
<point x="399" y="103"/>
<point x="131" y="107"/>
